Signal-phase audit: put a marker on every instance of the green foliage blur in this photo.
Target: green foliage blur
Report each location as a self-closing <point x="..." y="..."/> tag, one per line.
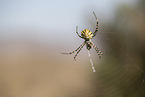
<point x="122" y="73"/>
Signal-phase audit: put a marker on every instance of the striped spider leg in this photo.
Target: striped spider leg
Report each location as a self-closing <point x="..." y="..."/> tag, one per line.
<point x="77" y="50"/>
<point x="87" y="35"/>
<point x="99" y="52"/>
<point x="94" y="34"/>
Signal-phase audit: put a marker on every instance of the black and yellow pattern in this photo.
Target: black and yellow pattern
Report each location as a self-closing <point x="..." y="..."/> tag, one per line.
<point x="87" y="35"/>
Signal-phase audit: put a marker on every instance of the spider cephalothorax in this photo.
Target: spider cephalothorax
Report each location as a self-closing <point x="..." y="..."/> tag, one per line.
<point x="87" y="35"/>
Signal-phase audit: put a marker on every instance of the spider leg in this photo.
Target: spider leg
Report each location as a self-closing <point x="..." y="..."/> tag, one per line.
<point x="77" y="32"/>
<point x="79" y="50"/>
<point x="97" y="49"/>
<point x="76" y="49"/>
<point x="94" y="34"/>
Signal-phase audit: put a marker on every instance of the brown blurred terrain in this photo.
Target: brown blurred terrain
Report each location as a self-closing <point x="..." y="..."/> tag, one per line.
<point x="30" y="69"/>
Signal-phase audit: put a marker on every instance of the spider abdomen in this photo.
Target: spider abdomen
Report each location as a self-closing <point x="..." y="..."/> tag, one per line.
<point x="88" y="45"/>
<point x="87" y="34"/>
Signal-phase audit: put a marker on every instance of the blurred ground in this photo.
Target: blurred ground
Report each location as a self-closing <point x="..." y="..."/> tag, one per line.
<point x="31" y="70"/>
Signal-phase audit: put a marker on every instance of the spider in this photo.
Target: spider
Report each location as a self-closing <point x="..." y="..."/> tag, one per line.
<point x="87" y="35"/>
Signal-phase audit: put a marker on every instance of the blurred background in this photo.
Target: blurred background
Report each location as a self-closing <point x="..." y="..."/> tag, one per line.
<point x="33" y="33"/>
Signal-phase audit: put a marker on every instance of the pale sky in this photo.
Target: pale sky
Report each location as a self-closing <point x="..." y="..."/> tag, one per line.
<point x="49" y="13"/>
<point x="52" y="17"/>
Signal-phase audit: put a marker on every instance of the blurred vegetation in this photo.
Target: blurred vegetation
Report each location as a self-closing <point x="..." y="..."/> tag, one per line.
<point x="122" y="72"/>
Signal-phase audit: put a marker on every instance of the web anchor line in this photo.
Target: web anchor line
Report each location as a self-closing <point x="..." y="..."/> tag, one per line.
<point x="93" y="68"/>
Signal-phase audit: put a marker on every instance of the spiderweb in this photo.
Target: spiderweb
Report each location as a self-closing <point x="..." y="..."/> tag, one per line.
<point x="93" y="68"/>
